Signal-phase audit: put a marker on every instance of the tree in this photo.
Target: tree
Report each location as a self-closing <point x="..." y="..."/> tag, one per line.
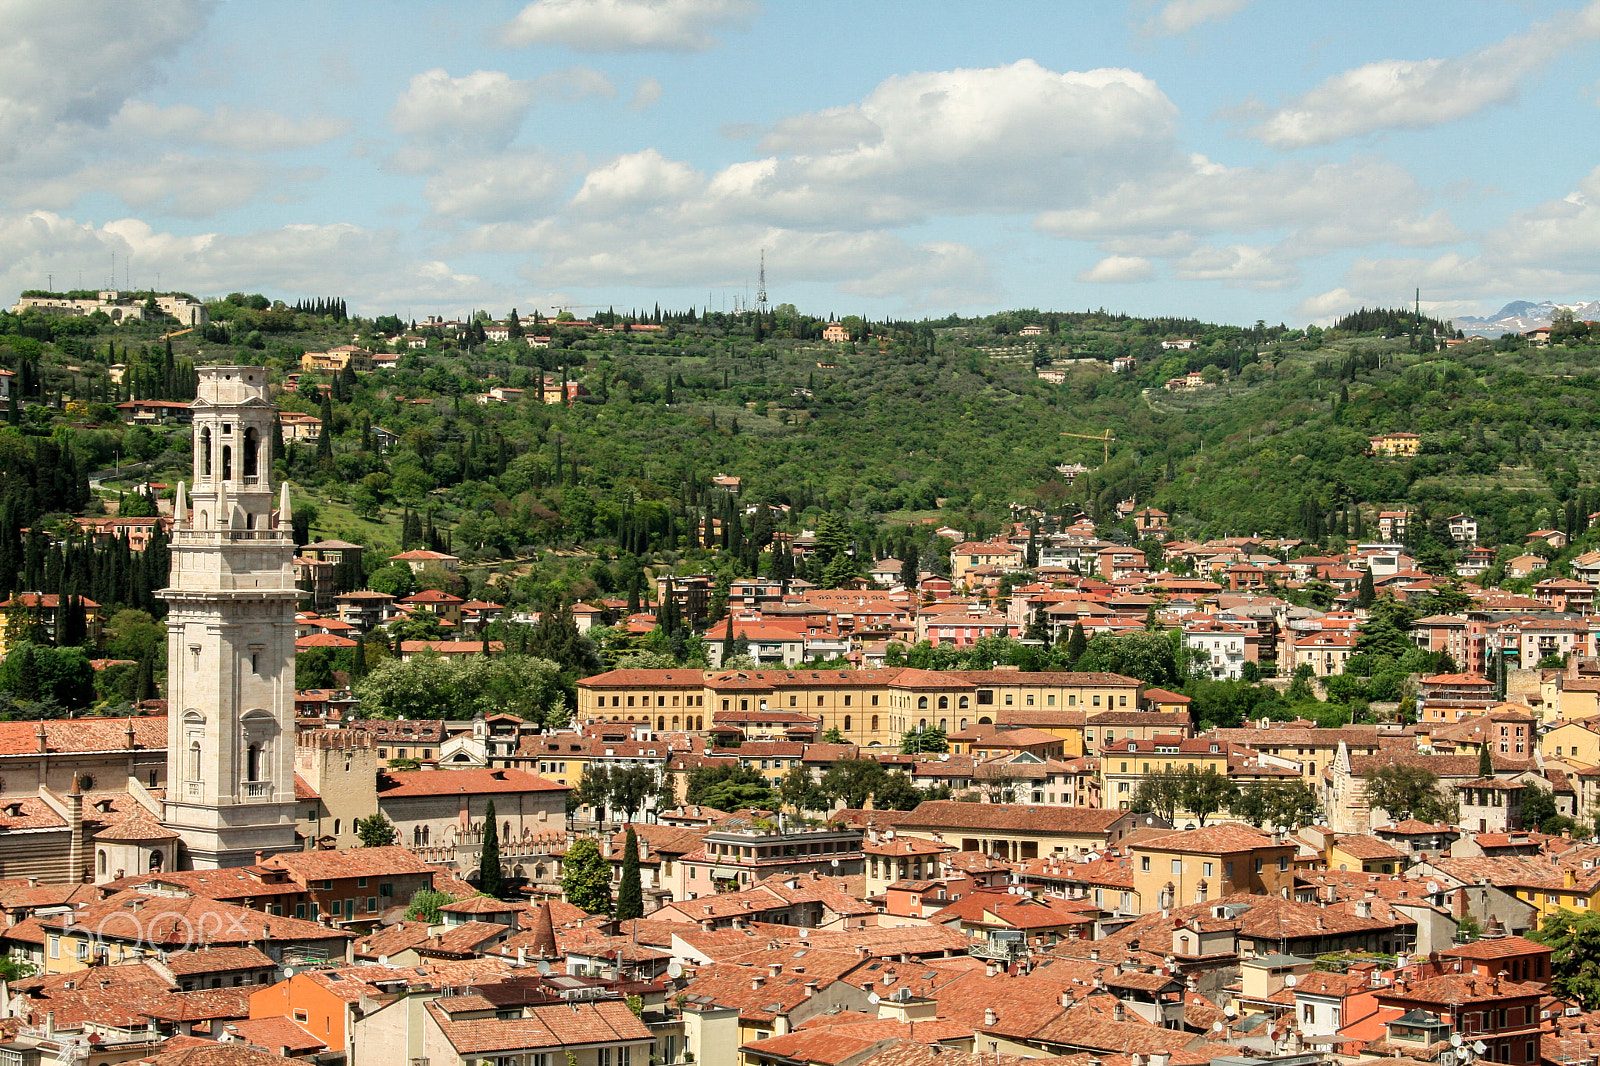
<point x="586" y="877"/>
<point x="1145" y="655"/>
<point x="1205" y="792"/>
<point x="1077" y="644"/>
<point x="490" y="880"/>
<point x="1539" y="808"/>
<point x="1485" y="763"/>
<point x="1386" y="632"/>
<point x="1409" y="792"/>
<point x="797" y="789"/>
<point x="1159" y="792"/>
<point x="630" y="894"/>
<point x="930" y="739"/>
<point x="630" y="789"/>
<point x="376" y="831"/>
<point x="1274" y="804"/>
<point x="855" y="781"/>
<point x="834" y="735"/>
<point x="425" y="904"/>
<point x="1575" y="963"/>
<point x="729" y="788"/>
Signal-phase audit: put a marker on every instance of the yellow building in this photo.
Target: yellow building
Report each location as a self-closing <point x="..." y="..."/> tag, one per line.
<point x="871" y="708"/>
<point x="1575" y="741"/>
<point x="1395" y="444"/>
<point x="1203" y="864"/>
<point x="336" y="359"/>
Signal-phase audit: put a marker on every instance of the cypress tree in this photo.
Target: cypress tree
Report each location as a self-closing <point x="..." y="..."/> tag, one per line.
<point x="630" y="894"/>
<point x="1485" y="766"/>
<point x="27" y="674"/>
<point x="1077" y="644"/>
<point x="489" y="879"/>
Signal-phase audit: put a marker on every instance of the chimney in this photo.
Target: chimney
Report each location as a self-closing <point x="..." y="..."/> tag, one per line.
<point x="1066" y="998"/>
<point x="989" y="1018"/>
<point x="991" y="968"/>
<point x="774" y="969"/>
<point x="1094" y="954"/>
<point x="1159" y="1058"/>
<point x="1119" y="1013"/>
<point x="811" y="989"/>
<point x="755" y="983"/>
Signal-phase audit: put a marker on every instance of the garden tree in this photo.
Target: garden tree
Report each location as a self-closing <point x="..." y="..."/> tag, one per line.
<point x="490" y="879"/>
<point x="1229" y="704"/>
<point x="37" y="672"/>
<point x="631" y="788"/>
<point x="1159" y="792"/>
<point x="586" y="877"/>
<point x="1485" y="763"/>
<point x="1575" y="962"/>
<point x="313" y="668"/>
<point x="1145" y="655"/>
<point x="1300" y="688"/>
<point x="594" y="787"/>
<point x="1273" y="804"/>
<point x="834" y="735"/>
<point x="1077" y="644"/>
<point x="797" y="789"/>
<point x="425" y="904"/>
<point x="1539" y="810"/>
<point x="630" y="892"/>
<point x="14" y="968"/>
<point x="1410" y="792"/>
<point x="1385" y="633"/>
<point x="854" y="781"/>
<point x="931" y="740"/>
<point x="728" y="788"/>
<point x="1366" y="594"/>
<point x="433" y="686"/>
<point x="376" y="831"/>
<point x="1205" y="792"/>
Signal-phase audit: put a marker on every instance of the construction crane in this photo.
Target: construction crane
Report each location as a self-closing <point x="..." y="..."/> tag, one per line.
<point x="1105" y="439"/>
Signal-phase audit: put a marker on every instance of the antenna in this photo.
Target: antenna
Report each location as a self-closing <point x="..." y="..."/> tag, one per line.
<point x="761" y="285"/>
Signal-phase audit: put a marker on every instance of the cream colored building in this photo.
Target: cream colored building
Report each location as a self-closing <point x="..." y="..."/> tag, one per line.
<point x="871" y="708"/>
<point x="230" y="635"/>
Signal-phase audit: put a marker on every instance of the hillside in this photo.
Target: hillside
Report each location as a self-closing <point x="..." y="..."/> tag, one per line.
<point x="942" y="420"/>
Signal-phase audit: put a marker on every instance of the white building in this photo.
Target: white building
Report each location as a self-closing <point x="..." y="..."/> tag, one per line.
<point x="230" y="635"/>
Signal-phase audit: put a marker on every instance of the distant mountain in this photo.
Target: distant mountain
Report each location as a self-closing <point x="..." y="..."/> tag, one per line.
<point x="1519" y="316"/>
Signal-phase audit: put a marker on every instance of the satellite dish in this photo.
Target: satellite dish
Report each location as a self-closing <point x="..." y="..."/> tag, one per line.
<point x="834" y="863"/>
<point x="544" y="968"/>
<point x="1479" y="1047"/>
<point x="674" y="969"/>
<point x="289" y="971"/>
<point x="1216" y="1027"/>
<point x="1291" y="980"/>
<point x="1455" y="1039"/>
<point x="874" y="999"/>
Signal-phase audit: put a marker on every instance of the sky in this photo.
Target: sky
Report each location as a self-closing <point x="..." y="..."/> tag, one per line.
<point x="1228" y="160"/>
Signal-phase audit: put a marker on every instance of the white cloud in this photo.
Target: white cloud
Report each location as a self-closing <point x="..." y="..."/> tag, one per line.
<point x="483" y="110"/>
<point x="1416" y="94"/>
<point x="74" y="64"/>
<point x="240" y="131"/>
<point x="1181" y="16"/>
<point x="370" y="266"/>
<point x="497" y="187"/>
<point x="627" y="25"/>
<point x="646" y="93"/>
<point x="177" y="184"/>
<point x="639" y="179"/>
<point x="1237" y="264"/>
<point x="971" y="141"/>
<point x="1116" y="269"/>
<point x="939" y="274"/>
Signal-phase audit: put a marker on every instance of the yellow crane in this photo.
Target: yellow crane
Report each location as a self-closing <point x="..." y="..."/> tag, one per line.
<point x="1105" y="439"/>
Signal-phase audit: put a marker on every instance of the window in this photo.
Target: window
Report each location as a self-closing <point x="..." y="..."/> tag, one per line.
<point x="1209" y="869"/>
<point x="603" y="1057"/>
<point x="1144" y="864"/>
<point x="372" y="904"/>
<point x="361" y="882"/>
<point x="847" y="723"/>
<point x="300" y="911"/>
<point x="386" y="889"/>
<point x="1308" y="1014"/>
<point x="1259" y="865"/>
<point x="301" y="1016"/>
<point x="874" y="723"/>
<point x="875" y="701"/>
<point x="1227" y="869"/>
<point x="1177" y="866"/>
<point x="55" y="947"/>
<point x="1283" y="862"/>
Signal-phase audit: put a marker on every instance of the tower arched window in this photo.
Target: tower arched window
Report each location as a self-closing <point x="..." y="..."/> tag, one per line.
<point x="205" y="451"/>
<point x="252" y="764"/>
<point x="194" y="760"/>
<point x="962" y="703"/>
<point x="944" y="703"/>
<point x="102" y="866"/>
<point x="252" y="446"/>
<point x="227" y="462"/>
<point x="847" y="723"/>
<point x="922" y="703"/>
<point x="425" y="834"/>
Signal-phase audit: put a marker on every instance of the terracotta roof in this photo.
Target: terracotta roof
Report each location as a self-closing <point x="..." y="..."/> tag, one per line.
<point x="1212" y="840"/>
<point x="477" y="781"/>
<point x="271" y="1034"/>
<point x="219" y="960"/>
<point x="953" y="814"/>
<point x="307" y="866"/>
<point x="138" y="829"/>
<point x="573" y="1024"/>
<point x="1496" y="948"/>
<point x="83" y="734"/>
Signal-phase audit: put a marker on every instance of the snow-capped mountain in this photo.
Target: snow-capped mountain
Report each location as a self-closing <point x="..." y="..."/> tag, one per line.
<point x="1519" y="316"/>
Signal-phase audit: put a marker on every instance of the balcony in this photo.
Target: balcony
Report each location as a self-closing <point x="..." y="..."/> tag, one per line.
<point x="193" y="788"/>
<point x="258" y="790"/>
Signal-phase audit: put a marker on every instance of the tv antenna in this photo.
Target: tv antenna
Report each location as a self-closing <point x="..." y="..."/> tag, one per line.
<point x="761" y="285"/>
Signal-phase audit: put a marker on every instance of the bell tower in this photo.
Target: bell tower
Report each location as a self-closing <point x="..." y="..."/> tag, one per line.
<point x="230" y="634"/>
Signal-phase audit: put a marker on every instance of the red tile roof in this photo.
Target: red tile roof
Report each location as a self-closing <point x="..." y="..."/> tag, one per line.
<point x="472" y="782"/>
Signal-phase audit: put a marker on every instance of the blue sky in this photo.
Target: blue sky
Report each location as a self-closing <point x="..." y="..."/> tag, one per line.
<point x="1225" y="159"/>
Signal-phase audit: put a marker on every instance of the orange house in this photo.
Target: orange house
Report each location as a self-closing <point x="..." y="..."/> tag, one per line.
<point x="308" y="999"/>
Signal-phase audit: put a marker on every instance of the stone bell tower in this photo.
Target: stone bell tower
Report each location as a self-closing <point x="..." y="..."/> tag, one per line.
<point x="230" y="635"/>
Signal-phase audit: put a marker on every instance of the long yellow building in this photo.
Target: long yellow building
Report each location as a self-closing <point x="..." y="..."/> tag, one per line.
<point x="871" y="708"/>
